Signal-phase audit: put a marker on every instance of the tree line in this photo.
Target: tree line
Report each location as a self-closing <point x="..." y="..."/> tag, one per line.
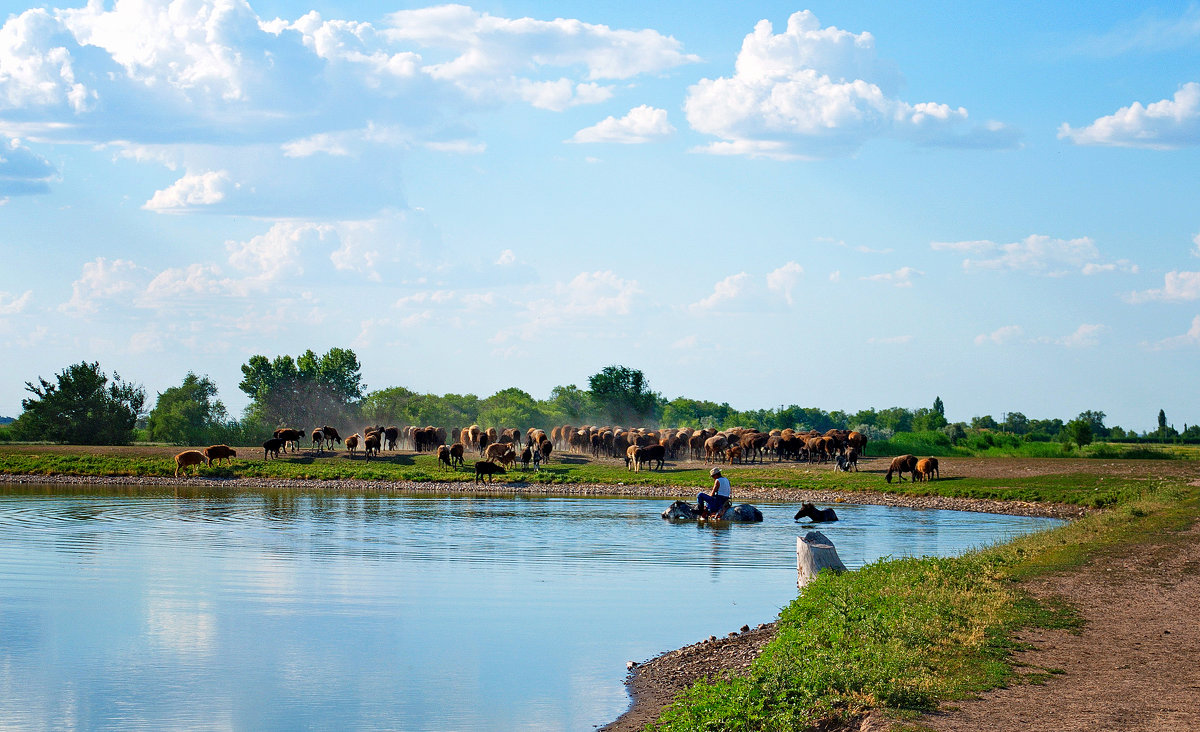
<point x="82" y="405"/>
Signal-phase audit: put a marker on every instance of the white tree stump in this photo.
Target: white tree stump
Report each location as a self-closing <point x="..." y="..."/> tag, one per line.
<point x="815" y="552"/>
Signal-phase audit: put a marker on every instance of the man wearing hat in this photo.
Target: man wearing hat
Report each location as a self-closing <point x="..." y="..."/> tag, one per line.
<point x="714" y="504"/>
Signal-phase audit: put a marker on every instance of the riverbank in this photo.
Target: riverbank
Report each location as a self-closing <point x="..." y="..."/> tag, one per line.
<point x="744" y="495"/>
<point x="1084" y="627"/>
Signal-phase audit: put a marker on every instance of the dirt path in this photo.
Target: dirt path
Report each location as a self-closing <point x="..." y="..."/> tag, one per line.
<point x="1134" y="666"/>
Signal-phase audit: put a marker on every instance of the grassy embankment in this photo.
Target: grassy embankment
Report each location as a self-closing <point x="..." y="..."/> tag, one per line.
<point x="905" y="634"/>
<point x="1089" y="489"/>
<point x="999" y="444"/>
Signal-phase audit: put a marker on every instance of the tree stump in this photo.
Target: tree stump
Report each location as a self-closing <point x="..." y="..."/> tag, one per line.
<point x="815" y="552"/>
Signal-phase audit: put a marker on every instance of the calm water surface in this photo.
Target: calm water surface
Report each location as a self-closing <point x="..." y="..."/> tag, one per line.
<point x="127" y="609"/>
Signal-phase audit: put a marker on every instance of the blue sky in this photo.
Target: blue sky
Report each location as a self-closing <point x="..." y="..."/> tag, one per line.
<point x="843" y="205"/>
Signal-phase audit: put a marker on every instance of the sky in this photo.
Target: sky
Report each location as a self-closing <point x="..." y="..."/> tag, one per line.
<point x="842" y="205"/>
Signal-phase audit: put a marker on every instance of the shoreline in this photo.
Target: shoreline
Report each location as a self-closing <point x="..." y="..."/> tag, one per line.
<point x="774" y="495"/>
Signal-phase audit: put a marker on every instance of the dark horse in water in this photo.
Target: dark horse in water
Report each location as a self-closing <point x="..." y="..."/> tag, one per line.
<point x="816" y="514"/>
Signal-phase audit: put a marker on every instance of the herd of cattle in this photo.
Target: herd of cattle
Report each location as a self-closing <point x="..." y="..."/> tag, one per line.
<point x="639" y="447"/>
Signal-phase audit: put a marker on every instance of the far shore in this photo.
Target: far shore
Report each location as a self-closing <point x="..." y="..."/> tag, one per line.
<point x="743" y="495"/>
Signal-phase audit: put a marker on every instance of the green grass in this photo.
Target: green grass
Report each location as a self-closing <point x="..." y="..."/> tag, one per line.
<point x="905" y="635"/>
<point x="1081" y="489"/>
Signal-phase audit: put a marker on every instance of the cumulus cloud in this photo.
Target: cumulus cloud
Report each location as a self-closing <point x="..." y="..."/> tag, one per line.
<point x="22" y="171"/>
<point x="13" y="304"/>
<point x="1196" y="245"/>
<point x="723" y="292"/>
<point x="1000" y="336"/>
<point x="190" y="191"/>
<point x="1177" y="287"/>
<point x="102" y="280"/>
<point x="1036" y="254"/>
<point x="642" y="124"/>
<point x="213" y="68"/>
<point x="1163" y="125"/>
<point x="1190" y="338"/>
<point x="816" y="92"/>
<point x="900" y="278"/>
<point x="506" y="258"/>
<point x="784" y="279"/>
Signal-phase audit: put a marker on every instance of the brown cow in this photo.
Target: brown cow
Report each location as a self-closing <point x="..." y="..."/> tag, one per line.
<point x="545" y="447"/>
<point x="371" y="446"/>
<point x="495" y="451"/>
<point x="290" y="437"/>
<point x="219" y="453"/>
<point x="927" y="469"/>
<point x="331" y="436"/>
<point x="352" y="443"/>
<point x="901" y="465"/>
<point x="456" y="454"/>
<point x="443" y="455"/>
<point x="188" y="458"/>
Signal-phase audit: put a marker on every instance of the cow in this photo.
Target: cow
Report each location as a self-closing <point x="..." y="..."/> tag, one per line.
<point x="488" y="469"/>
<point x="443" y="456"/>
<point x="318" y="440"/>
<point x="391" y="436"/>
<point x="456" y="454"/>
<point x="352" y="443"/>
<point x="371" y="446"/>
<point x="188" y="458"/>
<point x="219" y="453"/>
<point x="273" y="446"/>
<point x="290" y="437"/>
<point x="649" y="455"/>
<point x="331" y="436"/>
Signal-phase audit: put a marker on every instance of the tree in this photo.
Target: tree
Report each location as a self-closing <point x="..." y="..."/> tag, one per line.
<point x="1079" y="431"/>
<point x="939" y="407"/>
<point x="188" y="414"/>
<point x="622" y="394"/>
<point x="309" y="390"/>
<point x="568" y="404"/>
<point x="1016" y="423"/>
<point x="1096" y="420"/>
<point x="1162" y="421"/>
<point x="986" y="422"/>
<point x="82" y="408"/>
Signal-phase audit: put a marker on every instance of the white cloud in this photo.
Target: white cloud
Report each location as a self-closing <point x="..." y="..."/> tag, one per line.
<point x="458" y="147"/>
<point x="891" y="340"/>
<point x="323" y="142"/>
<point x="483" y="45"/>
<point x="1190" y="338"/>
<point x="1085" y="336"/>
<point x="34" y="70"/>
<point x="817" y="92"/>
<point x="900" y="278"/>
<point x="1000" y="336"/>
<point x="642" y="124"/>
<point x="1177" y="287"/>
<point x="13" y="304"/>
<point x="598" y="293"/>
<point x="835" y="276"/>
<point x="1164" y="125"/>
<point x="506" y="258"/>
<point x="1196" y="248"/>
<point x="191" y="190"/>
<point x="1036" y="254"/>
<point x="784" y="279"/>
<point x="119" y="279"/>
<point x="724" y="291"/>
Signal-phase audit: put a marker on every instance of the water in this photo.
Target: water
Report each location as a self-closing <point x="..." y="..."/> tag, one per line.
<point x="126" y="609"/>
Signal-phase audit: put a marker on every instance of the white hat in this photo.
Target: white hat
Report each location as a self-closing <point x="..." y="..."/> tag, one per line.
<point x="714" y="472"/>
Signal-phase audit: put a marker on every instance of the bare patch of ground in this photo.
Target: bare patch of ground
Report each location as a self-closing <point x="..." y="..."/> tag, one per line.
<point x="1134" y="665"/>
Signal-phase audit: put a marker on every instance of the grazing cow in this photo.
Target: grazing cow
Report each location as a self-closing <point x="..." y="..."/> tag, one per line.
<point x="508" y="458"/>
<point x="443" y="455"/>
<point x="456" y="454"/>
<point x="219" y="453"/>
<point x="331" y="436"/>
<point x="290" y="437"/>
<point x="852" y="455"/>
<point x="734" y="453"/>
<point x="188" y="458"/>
<point x="814" y="513"/>
<point x="901" y="465"/>
<point x="318" y="440"/>
<point x="927" y="469"/>
<point x="273" y="446"/>
<point x="352" y="443"/>
<point x="495" y="451"/>
<point x="487" y="468"/>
